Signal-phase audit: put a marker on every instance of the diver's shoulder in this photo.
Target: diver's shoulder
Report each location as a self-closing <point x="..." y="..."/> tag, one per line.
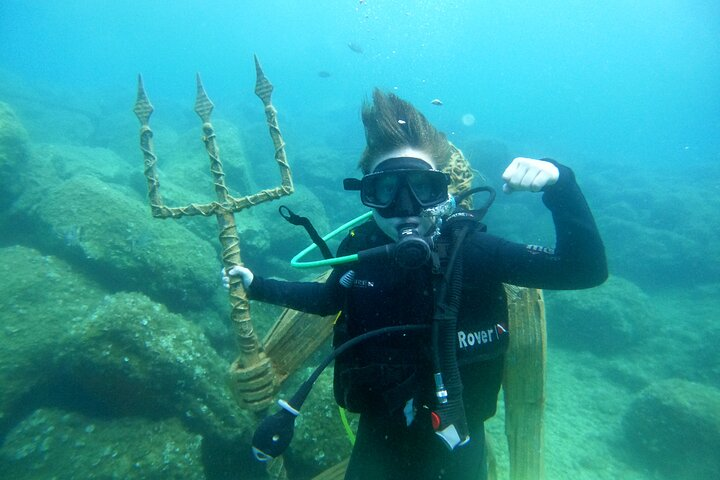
<point x="364" y="236"/>
<point x="480" y="235"/>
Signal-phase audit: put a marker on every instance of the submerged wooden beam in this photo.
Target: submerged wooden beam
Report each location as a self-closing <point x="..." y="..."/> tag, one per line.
<point x="524" y="383"/>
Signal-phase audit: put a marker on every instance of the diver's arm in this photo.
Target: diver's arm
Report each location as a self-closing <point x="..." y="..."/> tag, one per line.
<point x="578" y="260"/>
<point x="578" y="243"/>
<point x="311" y="297"/>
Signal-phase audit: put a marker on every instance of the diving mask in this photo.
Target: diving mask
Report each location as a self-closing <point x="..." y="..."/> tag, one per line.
<point x="401" y="186"/>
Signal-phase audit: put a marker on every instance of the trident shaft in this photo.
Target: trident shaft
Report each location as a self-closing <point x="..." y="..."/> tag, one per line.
<point x="252" y="376"/>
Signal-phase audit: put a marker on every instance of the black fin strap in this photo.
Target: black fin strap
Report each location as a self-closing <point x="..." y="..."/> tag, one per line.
<point x="290" y="216"/>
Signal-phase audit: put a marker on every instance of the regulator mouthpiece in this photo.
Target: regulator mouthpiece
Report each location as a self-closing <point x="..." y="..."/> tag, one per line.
<point x="412" y="250"/>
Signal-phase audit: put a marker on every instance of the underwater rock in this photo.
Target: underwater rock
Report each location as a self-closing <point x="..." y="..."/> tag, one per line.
<point x="607" y="320"/>
<point x="240" y="169"/>
<point x="53" y="115"/>
<point x="674" y="426"/>
<point x="40" y="299"/>
<point x="13" y="154"/>
<point x="52" y="443"/>
<point x="671" y="222"/>
<point x="662" y="256"/>
<point x="68" y="344"/>
<point x="52" y="164"/>
<point x="135" y="358"/>
<point x="112" y="236"/>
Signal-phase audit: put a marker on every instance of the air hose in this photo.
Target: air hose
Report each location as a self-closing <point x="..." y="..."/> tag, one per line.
<point x="448" y="417"/>
<point x="275" y="432"/>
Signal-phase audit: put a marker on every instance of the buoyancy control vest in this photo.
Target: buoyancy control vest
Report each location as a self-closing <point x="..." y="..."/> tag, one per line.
<point x="383" y="373"/>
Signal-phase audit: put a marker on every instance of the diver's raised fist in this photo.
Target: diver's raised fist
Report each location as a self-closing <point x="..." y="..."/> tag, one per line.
<point x="529" y="174"/>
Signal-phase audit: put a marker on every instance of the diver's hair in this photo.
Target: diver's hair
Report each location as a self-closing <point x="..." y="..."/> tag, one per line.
<point x="392" y="123"/>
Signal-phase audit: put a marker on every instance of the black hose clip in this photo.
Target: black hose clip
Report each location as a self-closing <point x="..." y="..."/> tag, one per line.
<point x="291" y="217"/>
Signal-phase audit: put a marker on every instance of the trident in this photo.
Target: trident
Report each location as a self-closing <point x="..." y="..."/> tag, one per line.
<point x="252" y="376"/>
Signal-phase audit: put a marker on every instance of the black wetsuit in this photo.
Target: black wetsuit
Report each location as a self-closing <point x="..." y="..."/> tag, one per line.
<point x="380" y="376"/>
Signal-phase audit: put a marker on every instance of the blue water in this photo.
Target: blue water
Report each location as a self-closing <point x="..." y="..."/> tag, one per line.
<point x="616" y="78"/>
<point x="626" y="93"/>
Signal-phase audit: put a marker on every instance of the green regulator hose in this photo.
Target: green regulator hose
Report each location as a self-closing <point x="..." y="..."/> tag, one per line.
<point x="296" y="260"/>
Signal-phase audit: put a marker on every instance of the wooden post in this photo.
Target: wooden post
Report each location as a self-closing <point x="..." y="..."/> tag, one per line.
<point x="524" y="383"/>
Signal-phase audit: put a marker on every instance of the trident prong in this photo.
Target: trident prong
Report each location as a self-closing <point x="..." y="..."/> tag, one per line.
<point x="253" y="378"/>
<point x="143" y="108"/>
<point x="263" y="87"/>
<point x="203" y="105"/>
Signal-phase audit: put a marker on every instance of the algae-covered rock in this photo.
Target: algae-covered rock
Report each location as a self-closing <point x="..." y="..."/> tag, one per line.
<point x="52" y="443"/>
<point x="13" y="154"/>
<point x="659" y="231"/>
<point x="40" y="298"/>
<point x="658" y="256"/>
<point x="134" y="358"/>
<point x="52" y="164"/>
<point x="674" y="426"/>
<point x="609" y="319"/>
<point x="66" y="342"/>
<point x="112" y="234"/>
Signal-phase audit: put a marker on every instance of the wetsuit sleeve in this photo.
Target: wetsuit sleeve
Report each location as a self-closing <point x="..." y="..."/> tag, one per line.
<point x="311" y="297"/>
<point x="578" y="259"/>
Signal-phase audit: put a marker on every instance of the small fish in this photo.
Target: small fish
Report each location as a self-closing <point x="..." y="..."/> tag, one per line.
<point x="355" y="47"/>
<point x="323" y="74"/>
<point x="402" y="122"/>
<point x="437" y="102"/>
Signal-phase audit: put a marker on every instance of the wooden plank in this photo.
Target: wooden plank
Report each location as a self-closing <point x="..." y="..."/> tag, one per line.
<point x="294" y="337"/>
<point x="524" y="383"/>
<point x="334" y="473"/>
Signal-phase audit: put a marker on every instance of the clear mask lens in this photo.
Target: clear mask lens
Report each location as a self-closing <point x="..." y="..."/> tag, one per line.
<point x="428" y="187"/>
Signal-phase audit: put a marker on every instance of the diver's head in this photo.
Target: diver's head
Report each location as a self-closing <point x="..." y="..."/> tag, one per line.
<point x="401" y="164"/>
<point x="402" y="188"/>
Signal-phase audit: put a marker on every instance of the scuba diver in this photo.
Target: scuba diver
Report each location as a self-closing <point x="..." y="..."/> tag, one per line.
<point x="426" y="296"/>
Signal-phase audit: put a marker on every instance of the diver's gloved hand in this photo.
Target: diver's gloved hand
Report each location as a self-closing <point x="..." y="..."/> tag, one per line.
<point x="529" y="174"/>
<point x="237" y="271"/>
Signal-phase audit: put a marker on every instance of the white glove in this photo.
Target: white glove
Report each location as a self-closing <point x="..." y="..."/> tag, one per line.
<point x="529" y="174"/>
<point x="237" y="271"/>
